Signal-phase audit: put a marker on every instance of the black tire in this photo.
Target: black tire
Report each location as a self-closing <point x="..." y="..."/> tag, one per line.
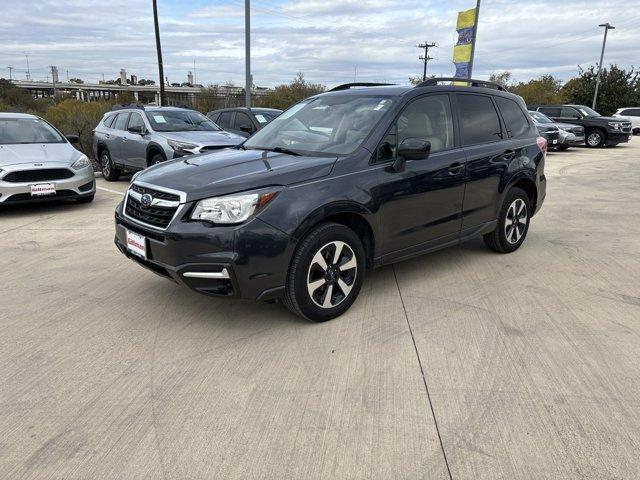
<point x="109" y="171"/>
<point x="563" y="148"/>
<point x="88" y="199"/>
<point x="155" y="159"/>
<point x="323" y="240"/>
<point x="595" y="139"/>
<point x="503" y="239"/>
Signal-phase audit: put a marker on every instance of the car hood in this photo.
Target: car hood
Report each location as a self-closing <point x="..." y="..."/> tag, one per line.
<point x="19" y="154"/>
<point x="233" y="170"/>
<point x="567" y="125"/>
<point x="205" y="138"/>
<point x="605" y="119"/>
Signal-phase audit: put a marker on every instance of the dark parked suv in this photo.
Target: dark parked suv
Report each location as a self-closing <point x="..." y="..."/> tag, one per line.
<point x="599" y="130"/>
<point x="351" y="179"/>
<point x="243" y="121"/>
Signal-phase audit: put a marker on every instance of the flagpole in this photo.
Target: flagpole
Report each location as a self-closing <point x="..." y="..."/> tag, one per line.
<point x="475" y="36"/>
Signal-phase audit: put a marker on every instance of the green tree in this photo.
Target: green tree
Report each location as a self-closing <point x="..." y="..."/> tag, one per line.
<point x="77" y="118"/>
<point x="19" y="100"/>
<point x="540" y="91"/>
<point x="618" y="88"/>
<point x="502" y="78"/>
<point x="284" y="96"/>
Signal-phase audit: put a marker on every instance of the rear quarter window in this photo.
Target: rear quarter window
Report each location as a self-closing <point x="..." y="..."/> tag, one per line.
<point x="514" y="118"/>
<point x="109" y="120"/>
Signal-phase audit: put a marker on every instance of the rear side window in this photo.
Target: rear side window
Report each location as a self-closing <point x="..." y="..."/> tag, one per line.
<point x="550" y="111"/>
<point x="243" y="121"/>
<point x="631" y="112"/>
<point x="479" y="119"/>
<point x="224" y="120"/>
<point x="514" y="118"/>
<point x="121" y="121"/>
<point x="108" y="121"/>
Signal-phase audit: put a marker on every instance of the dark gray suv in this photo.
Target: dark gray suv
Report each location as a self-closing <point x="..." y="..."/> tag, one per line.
<point x="135" y="137"/>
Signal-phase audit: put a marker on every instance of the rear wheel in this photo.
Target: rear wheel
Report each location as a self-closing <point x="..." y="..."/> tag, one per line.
<point x="109" y="171"/>
<point x="326" y="273"/>
<point x="513" y="223"/>
<point x="595" y="139"/>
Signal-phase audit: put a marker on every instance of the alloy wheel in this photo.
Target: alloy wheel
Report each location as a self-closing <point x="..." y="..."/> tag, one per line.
<point x="515" y="222"/>
<point x="106" y="165"/>
<point x="332" y="274"/>
<point x="594" y="139"/>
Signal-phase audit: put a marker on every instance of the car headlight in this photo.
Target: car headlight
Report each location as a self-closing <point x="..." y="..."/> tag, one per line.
<point x="231" y="209"/>
<point x="615" y="125"/>
<point x="81" y="163"/>
<point x="182" y="147"/>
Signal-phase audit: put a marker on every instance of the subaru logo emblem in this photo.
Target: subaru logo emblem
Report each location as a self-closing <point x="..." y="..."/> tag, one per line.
<point x="146" y="200"/>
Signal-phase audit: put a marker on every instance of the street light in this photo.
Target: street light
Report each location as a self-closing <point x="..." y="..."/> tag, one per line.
<point x="247" y="53"/>
<point x="607" y="26"/>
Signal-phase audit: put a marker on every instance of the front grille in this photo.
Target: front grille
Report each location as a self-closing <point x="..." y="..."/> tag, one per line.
<point x="155" y="216"/>
<point x="626" y="127"/>
<point x="140" y="231"/>
<point x="40" y="175"/>
<point x="19" y="197"/>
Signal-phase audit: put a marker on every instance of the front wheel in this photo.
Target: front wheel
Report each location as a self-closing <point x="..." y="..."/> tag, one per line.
<point x="513" y="223"/>
<point x="108" y="169"/>
<point x="595" y="139"/>
<point x="326" y="273"/>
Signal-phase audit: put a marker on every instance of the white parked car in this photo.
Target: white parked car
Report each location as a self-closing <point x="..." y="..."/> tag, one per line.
<point x="633" y="114"/>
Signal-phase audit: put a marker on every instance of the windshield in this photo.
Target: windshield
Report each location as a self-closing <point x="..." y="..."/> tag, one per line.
<point x="587" y="112"/>
<point x="27" y="130"/>
<point x="265" y="117"/>
<point x="540" y="117"/>
<point x="180" y="121"/>
<point x="333" y="124"/>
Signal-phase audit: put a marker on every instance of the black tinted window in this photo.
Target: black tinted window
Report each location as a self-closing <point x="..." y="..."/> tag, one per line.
<point x="550" y="111"/>
<point x="568" y="112"/>
<point x="121" y="121"/>
<point x="224" y="120"/>
<point x="514" y="118"/>
<point x="243" y="121"/>
<point x="479" y="119"/>
<point x="631" y="112"/>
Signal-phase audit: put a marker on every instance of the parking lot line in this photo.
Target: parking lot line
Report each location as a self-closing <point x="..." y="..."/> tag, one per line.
<point x="109" y="190"/>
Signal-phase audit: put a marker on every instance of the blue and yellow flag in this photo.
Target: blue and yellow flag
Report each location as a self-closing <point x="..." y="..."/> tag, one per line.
<point x="462" y="51"/>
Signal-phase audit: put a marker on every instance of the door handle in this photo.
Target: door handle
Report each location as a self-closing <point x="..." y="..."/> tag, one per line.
<point x="107" y="136"/>
<point x="456" y="168"/>
<point x="509" y="154"/>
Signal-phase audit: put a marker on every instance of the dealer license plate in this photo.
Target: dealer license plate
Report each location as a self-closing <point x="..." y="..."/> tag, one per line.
<point x="43" y="189"/>
<point x="137" y="244"/>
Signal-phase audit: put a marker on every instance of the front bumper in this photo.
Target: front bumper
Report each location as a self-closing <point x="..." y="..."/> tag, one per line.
<point x="81" y="184"/>
<point x="570" y="139"/>
<point x="248" y="261"/>
<point x="615" y="137"/>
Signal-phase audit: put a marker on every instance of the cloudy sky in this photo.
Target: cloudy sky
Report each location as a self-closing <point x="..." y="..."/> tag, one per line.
<point x="330" y="41"/>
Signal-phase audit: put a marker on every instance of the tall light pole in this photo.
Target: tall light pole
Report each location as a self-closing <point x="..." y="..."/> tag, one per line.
<point x="159" y="51"/>
<point x="607" y="26"/>
<point x="247" y="52"/>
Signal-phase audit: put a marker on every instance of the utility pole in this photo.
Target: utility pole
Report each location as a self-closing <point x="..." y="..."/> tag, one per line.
<point x="159" y="52"/>
<point x="425" y="57"/>
<point x="28" y="72"/>
<point x="10" y="74"/>
<point x="475" y="37"/>
<point x="607" y="26"/>
<point x="247" y="53"/>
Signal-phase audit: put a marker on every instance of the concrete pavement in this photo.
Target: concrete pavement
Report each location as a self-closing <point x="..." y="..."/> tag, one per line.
<point x="462" y="364"/>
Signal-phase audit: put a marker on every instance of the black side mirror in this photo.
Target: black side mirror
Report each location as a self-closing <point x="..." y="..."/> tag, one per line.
<point x="246" y="129"/>
<point x="411" y="149"/>
<point x="73" y="138"/>
<point x="139" y="129"/>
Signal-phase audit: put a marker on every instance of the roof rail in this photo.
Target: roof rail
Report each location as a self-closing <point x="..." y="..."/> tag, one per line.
<point x="124" y="107"/>
<point x="347" y="86"/>
<point x="472" y="82"/>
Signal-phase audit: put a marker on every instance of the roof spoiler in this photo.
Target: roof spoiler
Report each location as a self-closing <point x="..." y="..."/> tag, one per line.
<point x="469" y="81"/>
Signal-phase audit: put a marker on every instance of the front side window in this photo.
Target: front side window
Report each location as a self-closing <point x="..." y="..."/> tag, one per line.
<point x="121" y="121"/>
<point x="136" y="121"/>
<point x="27" y="130"/>
<point x="514" y="118"/>
<point x="243" y="121"/>
<point x="180" y="121"/>
<point x="427" y="118"/>
<point x="568" y="112"/>
<point x="479" y="119"/>
<point x="588" y="112"/>
<point x="224" y="120"/>
<point x="331" y="124"/>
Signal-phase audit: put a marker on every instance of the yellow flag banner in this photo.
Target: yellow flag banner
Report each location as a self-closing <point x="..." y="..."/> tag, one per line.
<point x="466" y="19"/>
<point x="463" y="50"/>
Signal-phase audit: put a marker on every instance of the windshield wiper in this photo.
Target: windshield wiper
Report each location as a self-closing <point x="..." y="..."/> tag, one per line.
<point x="285" y="150"/>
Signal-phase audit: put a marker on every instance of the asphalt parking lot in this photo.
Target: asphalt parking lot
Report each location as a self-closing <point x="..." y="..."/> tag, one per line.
<point x="463" y="364"/>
